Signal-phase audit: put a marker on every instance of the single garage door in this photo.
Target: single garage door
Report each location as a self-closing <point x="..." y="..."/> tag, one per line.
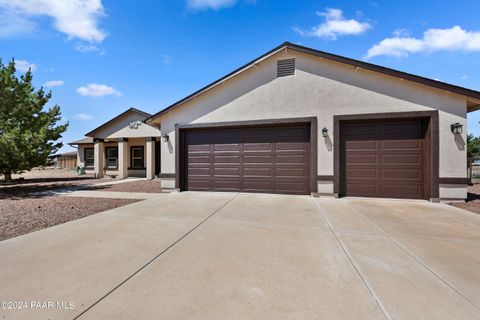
<point x="383" y="159"/>
<point x="260" y="159"/>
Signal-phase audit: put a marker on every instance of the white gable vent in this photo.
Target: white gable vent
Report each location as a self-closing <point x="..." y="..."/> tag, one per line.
<point x="285" y="67"/>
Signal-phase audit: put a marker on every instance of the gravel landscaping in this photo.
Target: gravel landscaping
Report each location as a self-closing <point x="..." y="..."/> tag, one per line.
<point x="473" y="200"/>
<point x="21" y="216"/>
<point x="24" y="210"/>
<point x="147" y="186"/>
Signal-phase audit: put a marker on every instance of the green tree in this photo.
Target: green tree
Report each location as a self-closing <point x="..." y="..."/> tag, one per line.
<point x="28" y="131"/>
<point x="473" y="145"/>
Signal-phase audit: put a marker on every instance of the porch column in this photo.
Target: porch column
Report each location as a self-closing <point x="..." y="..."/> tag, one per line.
<point x="123" y="158"/>
<point x="150" y="155"/>
<point x="99" y="155"/>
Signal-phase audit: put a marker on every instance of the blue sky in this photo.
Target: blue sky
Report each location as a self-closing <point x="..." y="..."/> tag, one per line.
<point x="101" y="57"/>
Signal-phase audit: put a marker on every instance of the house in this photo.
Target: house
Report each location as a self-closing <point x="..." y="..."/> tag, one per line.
<point x="124" y="146"/>
<point x="301" y="121"/>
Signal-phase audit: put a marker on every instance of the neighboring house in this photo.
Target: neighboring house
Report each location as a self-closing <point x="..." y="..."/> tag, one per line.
<point x="301" y="121"/>
<point x="67" y="160"/>
<point x="123" y="147"/>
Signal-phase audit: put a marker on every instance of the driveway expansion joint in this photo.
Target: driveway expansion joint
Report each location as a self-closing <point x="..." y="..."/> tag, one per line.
<point x="357" y="270"/>
<point x="416" y="259"/>
<point x="156" y="257"/>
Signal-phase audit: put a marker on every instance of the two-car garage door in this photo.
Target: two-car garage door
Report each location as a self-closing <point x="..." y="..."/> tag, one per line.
<point x="273" y="159"/>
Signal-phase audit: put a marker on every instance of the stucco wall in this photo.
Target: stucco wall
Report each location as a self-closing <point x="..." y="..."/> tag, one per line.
<point x="118" y="124"/>
<point x="320" y="88"/>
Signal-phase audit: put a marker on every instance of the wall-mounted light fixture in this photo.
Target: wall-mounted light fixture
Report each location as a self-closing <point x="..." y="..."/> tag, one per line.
<point x="456" y="128"/>
<point x="324" y="132"/>
<point x="165" y="138"/>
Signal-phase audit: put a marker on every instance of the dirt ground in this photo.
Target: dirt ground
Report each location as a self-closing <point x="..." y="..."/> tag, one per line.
<point x="23" y="210"/>
<point x="473" y="200"/>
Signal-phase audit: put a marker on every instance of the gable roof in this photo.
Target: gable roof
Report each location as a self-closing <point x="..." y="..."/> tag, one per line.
<point x="357" y="63"/>
<point x="87" y="140"/>
<point x="147" y="115"/>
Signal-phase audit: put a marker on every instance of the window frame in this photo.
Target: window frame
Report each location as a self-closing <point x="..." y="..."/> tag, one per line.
<point x="107" y="158"/>
<point x="132" y="158"/>
<point x="85" y="163"/>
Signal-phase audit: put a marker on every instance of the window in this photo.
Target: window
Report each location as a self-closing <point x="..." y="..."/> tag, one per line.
<point x="111" y="155"/>
<point x="136" y="158"/>
<point x="88" y="157"/>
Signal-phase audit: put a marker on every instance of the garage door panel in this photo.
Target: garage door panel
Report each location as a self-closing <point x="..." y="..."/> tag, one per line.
<point x="291" y="172"/>
<point x="258" y="186"/>
<point x="362" y="189"/>
<point x="227" y="185"/>
<point x="234" y="147"/>
<point x="383" y="158"/>
<point x="231" y="172"/>
<point x="198" y="184"/>
<point x="199" y="171"/>
<point x="291" y="187"/>
<point x="257" y="147"/>
<point x="402" y="159"/>
<point x="290" y="146"/>
<point x="290" y="159"/>
<point x="257" y="172"/>
<point x="225" y="158"/>
<point x="353" y="159"/>
<point x="401" y="144"/>
<point x="270" y="159"/>
<point x="408" y="191"/>
<point x="356" y="173"/>
<point x="199" y="148"/>
<point x="401" y="174"/>
<point x="199" y="159"/>
<point x="361" y="145"/>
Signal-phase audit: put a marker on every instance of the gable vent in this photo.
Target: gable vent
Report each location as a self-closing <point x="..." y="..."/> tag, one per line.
<point x="285" y="67"/>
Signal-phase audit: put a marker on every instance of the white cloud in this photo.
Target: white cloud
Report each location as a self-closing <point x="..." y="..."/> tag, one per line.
<point x="83" y="117"/>
<point x="210" y="4"/>
<point x="335" y="25"/>
<point x="76" y="18"/>
<point x="452" y="39"/>
<point x="98" y="90"/>
<point x="13" y="23"/>
<point x="23" y="65"/>
<point x="82" y="47"/>
<point x="53" y="83"/>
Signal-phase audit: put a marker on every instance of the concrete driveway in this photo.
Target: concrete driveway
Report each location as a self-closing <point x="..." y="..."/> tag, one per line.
<point x="249" y="256"/>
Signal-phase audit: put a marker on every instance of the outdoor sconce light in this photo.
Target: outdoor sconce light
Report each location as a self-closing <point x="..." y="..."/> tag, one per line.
<point x="324" y="132"/>
<point x="165" y="138"/>
<point x="456" y="128"/>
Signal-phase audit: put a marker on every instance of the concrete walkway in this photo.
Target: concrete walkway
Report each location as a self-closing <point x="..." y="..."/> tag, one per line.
<point x="106" y="194"/>
<point x="250" y="256"/>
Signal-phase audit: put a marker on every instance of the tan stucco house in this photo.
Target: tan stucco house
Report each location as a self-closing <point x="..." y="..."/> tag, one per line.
<point x="300" y="121"/>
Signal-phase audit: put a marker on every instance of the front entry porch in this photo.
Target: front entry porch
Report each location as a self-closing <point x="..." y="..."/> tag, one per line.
<point x="125" y="157"/>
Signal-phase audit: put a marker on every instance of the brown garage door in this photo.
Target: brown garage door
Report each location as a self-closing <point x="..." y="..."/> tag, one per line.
<point x="268" y="159"/>
<point x="383" y="159"/>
